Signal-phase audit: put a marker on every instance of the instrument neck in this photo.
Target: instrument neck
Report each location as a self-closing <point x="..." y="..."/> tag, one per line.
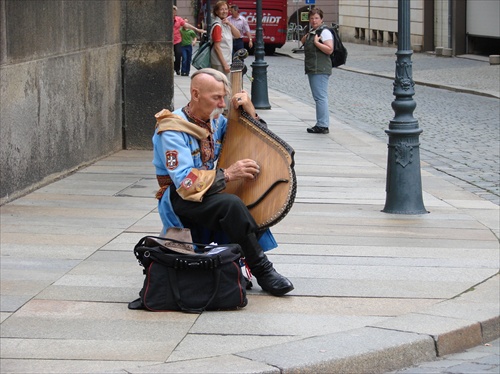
<point x="236" y="87"/>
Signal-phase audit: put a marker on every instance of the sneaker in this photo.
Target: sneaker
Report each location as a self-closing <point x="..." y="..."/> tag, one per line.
<point x="318" y="130"/>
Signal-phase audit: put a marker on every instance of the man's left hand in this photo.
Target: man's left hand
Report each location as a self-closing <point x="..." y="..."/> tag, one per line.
<point x="242" y="99"/>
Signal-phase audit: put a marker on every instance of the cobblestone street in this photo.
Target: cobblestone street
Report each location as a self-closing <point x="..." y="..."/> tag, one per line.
<point x="461" y="137"/>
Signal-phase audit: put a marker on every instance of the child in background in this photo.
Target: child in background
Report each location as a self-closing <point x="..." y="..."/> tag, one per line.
<point x="188" y="41"/>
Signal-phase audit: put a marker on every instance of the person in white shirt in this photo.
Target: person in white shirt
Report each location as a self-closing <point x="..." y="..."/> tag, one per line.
<point x="318" y="46"/>
<point x="241" y="24"/>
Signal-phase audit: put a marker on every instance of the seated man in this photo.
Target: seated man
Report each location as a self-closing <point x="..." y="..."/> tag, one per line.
<point x="187" y="144"/>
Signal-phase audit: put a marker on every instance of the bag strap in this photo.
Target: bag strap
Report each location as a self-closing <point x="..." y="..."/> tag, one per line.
<point x="204" y="247"/>
<point x="320" y="29"/>
<point x="172" y="275"/>
<point x="209" y="33"/>
<point x="211" y="28"/>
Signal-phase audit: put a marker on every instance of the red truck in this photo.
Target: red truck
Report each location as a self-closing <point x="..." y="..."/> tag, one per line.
<point x="274" y="20"/>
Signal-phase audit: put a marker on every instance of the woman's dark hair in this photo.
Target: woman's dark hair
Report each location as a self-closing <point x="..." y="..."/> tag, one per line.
<point x="314" y="11"/>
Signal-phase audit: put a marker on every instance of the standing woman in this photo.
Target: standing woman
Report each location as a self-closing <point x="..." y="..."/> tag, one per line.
<point x="222" y="35"/>
<point x="318" y="46"/>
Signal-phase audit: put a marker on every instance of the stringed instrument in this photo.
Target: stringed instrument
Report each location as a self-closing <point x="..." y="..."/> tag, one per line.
<point x="271" y="195"/>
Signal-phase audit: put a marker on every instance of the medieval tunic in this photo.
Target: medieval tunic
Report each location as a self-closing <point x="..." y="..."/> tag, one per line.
<point x="179" y="164"/>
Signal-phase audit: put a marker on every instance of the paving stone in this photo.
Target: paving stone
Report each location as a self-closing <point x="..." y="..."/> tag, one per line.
<point x="451" y="334"/>
<point x="68" y="271"/>
<point x="64" y="366"/>
<point x="363" y="350"/>
<point x="225" y="364"/>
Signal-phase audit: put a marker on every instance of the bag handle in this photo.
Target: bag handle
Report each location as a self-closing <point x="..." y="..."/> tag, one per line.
<point x="172" y="275"/>
<point x="166" y="258"/>
<point x="205" y="247"/>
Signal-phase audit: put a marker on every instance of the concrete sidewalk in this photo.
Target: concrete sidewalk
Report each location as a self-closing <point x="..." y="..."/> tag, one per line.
<point x="374" y="292"/>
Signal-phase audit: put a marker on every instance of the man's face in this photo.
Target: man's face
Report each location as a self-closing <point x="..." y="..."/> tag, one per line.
<point x="234" y="12"/>
<point x="211" y="99"/>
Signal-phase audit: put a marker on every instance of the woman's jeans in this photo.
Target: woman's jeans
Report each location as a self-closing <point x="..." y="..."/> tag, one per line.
<point x="187" y="53"/>
<point x="319" y="89"/>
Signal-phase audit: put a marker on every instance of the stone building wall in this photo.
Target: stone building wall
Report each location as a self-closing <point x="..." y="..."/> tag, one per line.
<point x="64" y="100"/>
<point x="376" y="21"/>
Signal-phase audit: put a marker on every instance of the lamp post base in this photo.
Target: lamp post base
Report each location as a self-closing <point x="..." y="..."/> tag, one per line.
<point x="403" y="184"/>
<point x="259" y="94"/>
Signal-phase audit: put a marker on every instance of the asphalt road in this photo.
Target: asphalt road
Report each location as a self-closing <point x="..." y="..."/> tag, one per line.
<point x="460" y="138"/>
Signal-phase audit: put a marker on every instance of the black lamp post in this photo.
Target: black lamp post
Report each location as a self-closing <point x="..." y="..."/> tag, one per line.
<point x="403" y="184"/>
<point x="260" y="98"/>
<point x="208" y="20"/>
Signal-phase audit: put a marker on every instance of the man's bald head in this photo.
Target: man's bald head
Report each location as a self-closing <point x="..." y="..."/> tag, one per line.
<point x="204" y="78"/>
<point x="209" y="90"/>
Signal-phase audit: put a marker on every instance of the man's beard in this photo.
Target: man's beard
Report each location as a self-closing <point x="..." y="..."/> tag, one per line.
<point x="216" y="113"/>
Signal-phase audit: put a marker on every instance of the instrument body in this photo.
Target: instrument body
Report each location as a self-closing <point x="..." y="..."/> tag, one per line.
<point x="271" y="195"/>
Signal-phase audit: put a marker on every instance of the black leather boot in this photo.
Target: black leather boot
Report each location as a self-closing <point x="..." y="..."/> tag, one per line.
<point x="267" y="277"/>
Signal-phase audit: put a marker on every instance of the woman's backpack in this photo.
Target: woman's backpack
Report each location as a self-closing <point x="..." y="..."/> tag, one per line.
<point x="339" y="55"/>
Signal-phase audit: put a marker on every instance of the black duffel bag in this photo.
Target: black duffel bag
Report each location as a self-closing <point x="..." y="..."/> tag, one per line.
<point x="180" y="278"/>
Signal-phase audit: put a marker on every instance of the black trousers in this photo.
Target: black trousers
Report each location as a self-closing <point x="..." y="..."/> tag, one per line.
<point x="219" y="211"/>
<point x="238" y="44"/>
<point x="177" y="56"/>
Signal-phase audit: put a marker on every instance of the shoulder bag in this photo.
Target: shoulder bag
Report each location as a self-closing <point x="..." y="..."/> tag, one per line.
<point x="189" y="277"/>
<point x="201" y="58"/>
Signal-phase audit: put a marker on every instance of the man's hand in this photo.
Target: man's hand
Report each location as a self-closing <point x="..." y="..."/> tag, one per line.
<point x="243" y="169"/>
<point x="242" y="99"/>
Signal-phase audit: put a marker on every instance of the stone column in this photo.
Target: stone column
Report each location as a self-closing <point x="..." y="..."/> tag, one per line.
<point x="147" y="65"/>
